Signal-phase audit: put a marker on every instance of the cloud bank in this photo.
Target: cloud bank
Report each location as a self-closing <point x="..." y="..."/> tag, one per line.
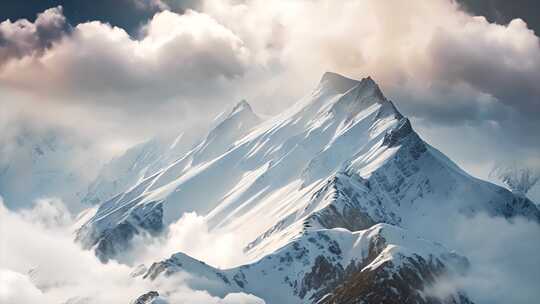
<point x="192" y="236"/>
<point x="504" y="264"/>
<point x="39" y="262"/>
<point x="179" y="55"/>
<point x="103" y="83"/>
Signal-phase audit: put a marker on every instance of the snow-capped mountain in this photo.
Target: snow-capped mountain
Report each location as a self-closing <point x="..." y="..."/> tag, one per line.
<point x="341" y="158"/>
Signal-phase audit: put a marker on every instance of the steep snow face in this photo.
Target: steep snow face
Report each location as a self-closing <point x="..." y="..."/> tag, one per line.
<point x="220" y="138"/>
<point x="138" y="163"/>
<point x="144" y="160"/>
<point x="312" y="265"/>
<point x="343" y="156"/>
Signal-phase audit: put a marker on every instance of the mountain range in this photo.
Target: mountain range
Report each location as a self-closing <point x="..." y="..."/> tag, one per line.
<point x="335" y="200"/>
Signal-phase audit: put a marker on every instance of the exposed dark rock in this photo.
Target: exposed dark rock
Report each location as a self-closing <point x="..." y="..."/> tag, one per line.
<point x="322" y="273"/>
<point x="386" y="286"/>
<point x="110" y="242"/>
<point x="352" y="219"/>
<point x="389" y="283"/>
<point x="147" y="298"/>
<point x="394" y="136"/>
<point x="349" y="208"/>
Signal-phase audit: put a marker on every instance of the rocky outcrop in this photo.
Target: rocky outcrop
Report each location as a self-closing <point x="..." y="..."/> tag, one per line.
<point x="114" y="239"/>
<point x="147" y="298"/>
<point x="387" y="286"/>
<point x="349" y="208"/>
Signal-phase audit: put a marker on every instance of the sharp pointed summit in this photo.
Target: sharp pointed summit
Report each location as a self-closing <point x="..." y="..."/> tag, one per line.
<point x="240" y="117"/>
<point x="337" y="83"/>
<point x="240" y="120"/>
<point x="241" y="106"/>
<point x="356" y="95"/>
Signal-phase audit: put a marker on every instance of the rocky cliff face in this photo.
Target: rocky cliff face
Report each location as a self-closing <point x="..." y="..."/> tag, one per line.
<point x="147" y="298"/>
<point x="385" y="286"/>
<point x="110" y="240"/>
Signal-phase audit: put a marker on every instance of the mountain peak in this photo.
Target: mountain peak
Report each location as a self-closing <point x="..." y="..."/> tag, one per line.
<point x="241" y="106"/>
<point x="240" y="120"/>
<point x="356" y="95"/>
<point x="240" y="117"/>
<point x="337" y="83"/>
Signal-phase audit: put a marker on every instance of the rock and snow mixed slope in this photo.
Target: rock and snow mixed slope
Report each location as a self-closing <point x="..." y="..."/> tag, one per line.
<point x="384" y="263"/>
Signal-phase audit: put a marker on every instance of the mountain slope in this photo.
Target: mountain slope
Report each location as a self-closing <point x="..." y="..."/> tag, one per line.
<point x="126" y="214"/>
<point x="137" y="163"/>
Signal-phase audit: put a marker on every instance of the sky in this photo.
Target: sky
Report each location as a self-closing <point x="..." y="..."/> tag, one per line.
<point x="131" y="14"/>
<point x="105" y="75"/>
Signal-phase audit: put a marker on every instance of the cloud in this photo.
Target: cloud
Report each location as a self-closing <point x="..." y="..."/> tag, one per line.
<point x="179" y="55"/>
<point x="39" y="262"/>
<point x="48" y="213"/>
<point x="503" y="256"/>
<point x="97" y="90"/>
<point x="48" y="256"/>
<point x="502" y="253"/>
<point x="502" y="11"/>
<point x="406" y="46"/>
<point x="38" y="160"/>
<point x="17" y="288"/>
<point x="460" y="78"/>
<point x="513" y="250"/>
<point x="23" y="38"/>
<point x="503" y="61"/>
<point x="106" y="86"/>
<point x="192" y="236"/>
<point x="171" y="5"/>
